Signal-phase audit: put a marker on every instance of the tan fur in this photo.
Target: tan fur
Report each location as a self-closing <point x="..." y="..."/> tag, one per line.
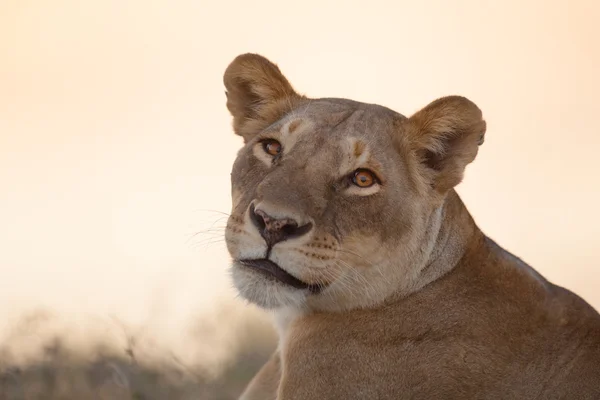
<point x="417" y="302"/>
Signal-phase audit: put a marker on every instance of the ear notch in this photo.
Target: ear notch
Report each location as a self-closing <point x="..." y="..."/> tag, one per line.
<point x="257" y="94"/>
<point x="446" y="135"/>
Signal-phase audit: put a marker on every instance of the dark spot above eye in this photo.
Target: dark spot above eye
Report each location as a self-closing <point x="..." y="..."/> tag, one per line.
<point x="293" y="125"/>
<point x="359" y="147"/>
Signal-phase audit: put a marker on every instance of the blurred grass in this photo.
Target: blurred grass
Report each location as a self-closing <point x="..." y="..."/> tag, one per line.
<point x="60" y="372"/>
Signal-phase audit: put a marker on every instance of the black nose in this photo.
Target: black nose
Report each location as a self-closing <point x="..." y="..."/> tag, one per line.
<point x="275" y="230"/>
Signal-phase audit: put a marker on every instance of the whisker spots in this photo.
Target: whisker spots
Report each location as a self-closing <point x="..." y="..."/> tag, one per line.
<point x="321" y="246"/>
<point x="235" y="229"/>
<point x="313" y="255"/>
<point x="237" y="219"/>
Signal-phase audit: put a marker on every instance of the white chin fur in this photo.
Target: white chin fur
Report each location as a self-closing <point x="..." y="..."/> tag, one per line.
<point x="265" y="292"/>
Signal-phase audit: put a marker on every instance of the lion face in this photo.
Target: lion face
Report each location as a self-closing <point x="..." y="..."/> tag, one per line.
<point x="336" y="202"/>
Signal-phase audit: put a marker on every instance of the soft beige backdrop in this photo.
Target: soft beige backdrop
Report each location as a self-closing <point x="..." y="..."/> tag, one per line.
<point x="115" y="143"/>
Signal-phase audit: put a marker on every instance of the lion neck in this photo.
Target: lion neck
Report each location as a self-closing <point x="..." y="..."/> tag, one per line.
<point x="452" y="236"/>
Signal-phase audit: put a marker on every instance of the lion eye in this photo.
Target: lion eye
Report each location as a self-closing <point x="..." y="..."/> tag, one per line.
<point x="272" y="147"/>
<point x="364" y="178"/>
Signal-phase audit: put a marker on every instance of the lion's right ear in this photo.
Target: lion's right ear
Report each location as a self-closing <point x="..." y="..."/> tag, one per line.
<point x="257" y="94"/>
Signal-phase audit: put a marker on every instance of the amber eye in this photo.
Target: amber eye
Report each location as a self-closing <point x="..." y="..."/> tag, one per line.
<point x="363" y="178"/>
<point x="272" y="147"/>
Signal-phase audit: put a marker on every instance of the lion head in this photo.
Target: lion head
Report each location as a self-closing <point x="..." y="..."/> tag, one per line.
<point x="337" y="204"/>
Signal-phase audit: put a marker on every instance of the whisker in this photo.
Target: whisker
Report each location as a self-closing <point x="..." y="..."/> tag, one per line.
<point x="356" y="255"/>
<point x="214" y="211"/>
<point x="369" y="262"/>
<point x="341" y="280"/>
<point x="361" y="278"/>
<point x="307" y="107"/>
<point x="209" y="242"/>
<point x="207" y="233"/>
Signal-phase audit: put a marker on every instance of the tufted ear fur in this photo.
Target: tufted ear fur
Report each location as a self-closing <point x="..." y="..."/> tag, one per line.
<point x="257" y="94"/>
<point x="446" y="135"/>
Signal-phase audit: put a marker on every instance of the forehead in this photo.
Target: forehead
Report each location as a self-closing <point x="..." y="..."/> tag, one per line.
<point x="341" y="119"/>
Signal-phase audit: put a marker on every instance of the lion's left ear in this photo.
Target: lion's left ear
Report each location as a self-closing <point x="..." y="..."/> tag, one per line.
<point x="446" y="135"/>
<point x="257" y="94"/>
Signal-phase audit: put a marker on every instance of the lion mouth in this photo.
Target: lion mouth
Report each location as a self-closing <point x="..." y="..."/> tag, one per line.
<point x="272" y="270"/>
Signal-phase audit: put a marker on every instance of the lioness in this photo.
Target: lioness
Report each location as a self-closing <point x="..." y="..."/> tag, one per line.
<point x="345" y="223"/>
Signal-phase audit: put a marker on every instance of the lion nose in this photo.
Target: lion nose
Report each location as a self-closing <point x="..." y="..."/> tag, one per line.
<point x="275" y="230"/>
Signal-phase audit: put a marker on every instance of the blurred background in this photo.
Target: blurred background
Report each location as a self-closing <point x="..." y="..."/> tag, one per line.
<point x="116" y="148"/>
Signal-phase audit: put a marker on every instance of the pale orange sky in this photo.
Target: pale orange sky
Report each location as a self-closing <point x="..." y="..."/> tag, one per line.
<point x="115" y="139"/>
